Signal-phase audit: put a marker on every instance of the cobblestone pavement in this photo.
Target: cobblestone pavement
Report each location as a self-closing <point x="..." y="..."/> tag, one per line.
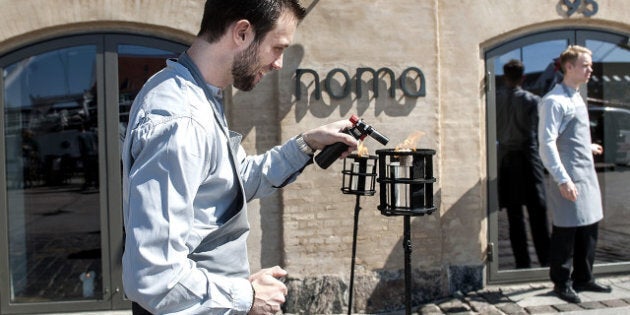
<point x="522" y="299"/>
<point x="534" y="298"/>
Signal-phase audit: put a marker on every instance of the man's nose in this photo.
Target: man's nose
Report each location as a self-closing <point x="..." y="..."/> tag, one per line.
<point x="277" y="64"/>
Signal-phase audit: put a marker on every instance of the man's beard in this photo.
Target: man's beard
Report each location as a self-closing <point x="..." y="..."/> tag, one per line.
<point x="244" y="69"/>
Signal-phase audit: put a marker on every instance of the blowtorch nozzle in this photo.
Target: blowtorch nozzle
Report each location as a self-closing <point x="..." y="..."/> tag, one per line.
<point x="379" y="137"/>
<point x="370" y="131"/>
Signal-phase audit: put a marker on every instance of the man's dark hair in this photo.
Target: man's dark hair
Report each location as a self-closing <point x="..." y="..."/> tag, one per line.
<point x="218" y="15"/>
<point x="513" y="71"/>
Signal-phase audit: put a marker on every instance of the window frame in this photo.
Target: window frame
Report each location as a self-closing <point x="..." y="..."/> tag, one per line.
<point x="110" y="203"/>
<point x="573" y="36"/>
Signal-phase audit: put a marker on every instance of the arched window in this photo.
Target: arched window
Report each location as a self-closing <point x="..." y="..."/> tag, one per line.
<point x="608" y="98"/>
<point x="65" y="104"/>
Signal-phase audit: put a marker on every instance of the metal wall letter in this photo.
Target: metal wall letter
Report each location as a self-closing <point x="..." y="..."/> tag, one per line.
<point x="593" y="8"/>
<point x="347" y="85"/>
<point x="298" y="81"/>
<point x="421" y="92"/>
<point x="587" y="7"/>
<point x="392" y="76"/>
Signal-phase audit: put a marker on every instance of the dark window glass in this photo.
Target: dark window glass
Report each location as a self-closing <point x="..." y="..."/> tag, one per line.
<point x="52" y="176"/>
<point x="609" y="113"/>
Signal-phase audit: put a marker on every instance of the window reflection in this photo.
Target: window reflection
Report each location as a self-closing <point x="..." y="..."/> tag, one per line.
<point x="540" y="76"/>
<point x="52" y="176"/>
<point x="609" y="111"/>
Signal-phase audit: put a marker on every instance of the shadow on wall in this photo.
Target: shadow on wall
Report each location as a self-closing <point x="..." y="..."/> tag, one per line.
<point x="272" y="100"/>
<point x="436" y="239"/>
<point x="323" y="95"/>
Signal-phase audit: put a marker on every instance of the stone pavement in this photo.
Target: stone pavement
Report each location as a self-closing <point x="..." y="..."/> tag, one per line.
<point x="531" y="298"/>
<point x="534" y="298"/>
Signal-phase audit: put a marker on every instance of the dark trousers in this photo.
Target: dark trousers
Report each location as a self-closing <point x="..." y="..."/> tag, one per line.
<point x="573" y="247"/>
<point x="539" y="226"/>
<point x="136" y="309"/>
<point x="521" y="182"/>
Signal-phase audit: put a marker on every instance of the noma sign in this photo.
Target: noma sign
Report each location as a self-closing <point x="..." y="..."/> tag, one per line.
<point x="411" y="74"/>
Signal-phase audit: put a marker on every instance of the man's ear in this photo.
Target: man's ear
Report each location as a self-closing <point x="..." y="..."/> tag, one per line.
<point x="242" y="33"/>
<point x="569" y="65"/>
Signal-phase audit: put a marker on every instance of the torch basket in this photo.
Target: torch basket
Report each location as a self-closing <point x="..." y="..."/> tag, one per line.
<point x="406" y="182"/>
<point x="359" y="175"/>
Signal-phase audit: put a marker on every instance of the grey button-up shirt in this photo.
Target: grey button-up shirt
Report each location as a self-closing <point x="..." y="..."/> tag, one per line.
<point x="180" y="189"/>
<point x="565" y="149"/>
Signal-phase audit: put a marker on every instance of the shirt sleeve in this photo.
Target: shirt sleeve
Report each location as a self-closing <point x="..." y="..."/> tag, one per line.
<point x="263" y="174"/>
<point x="170" y="161"/>
<point x="551" y="116"/>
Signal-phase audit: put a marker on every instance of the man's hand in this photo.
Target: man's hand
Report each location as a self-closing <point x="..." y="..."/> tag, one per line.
<point x="320" y="137"/>
<point x="569" y="191"/>
<point x="269" y="291"/>
<point x="597" y="149"/>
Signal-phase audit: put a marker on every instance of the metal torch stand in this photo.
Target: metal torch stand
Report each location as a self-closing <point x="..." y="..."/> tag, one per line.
<point x="395" y="186"/>
<point x="358" y="179"/>
<point x="357" y="208"/>
<point x="407" y="250"/>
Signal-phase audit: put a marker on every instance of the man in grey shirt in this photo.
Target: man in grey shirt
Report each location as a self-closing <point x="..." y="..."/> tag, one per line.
<point x="187" y="180"/>
<point x="574" y="196"/>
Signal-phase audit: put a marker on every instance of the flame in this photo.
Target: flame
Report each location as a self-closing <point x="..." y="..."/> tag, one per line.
<point x="362" y="150"/>
<point x="410" y="142"/>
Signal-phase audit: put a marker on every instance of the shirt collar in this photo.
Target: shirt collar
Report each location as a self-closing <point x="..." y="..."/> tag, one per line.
<point x="216" y="91"/>
<point x="568" y="90"/>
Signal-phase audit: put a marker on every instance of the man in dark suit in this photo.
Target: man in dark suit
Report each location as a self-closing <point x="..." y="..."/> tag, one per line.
<point x="520" y="167"/>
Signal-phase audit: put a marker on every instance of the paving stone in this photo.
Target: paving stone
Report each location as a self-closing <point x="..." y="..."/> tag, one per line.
<point x="617" y="293"/>
<point x="541" y="309"/>
<point x="567" y="307"/>
<point x="538" y="298"/>
<point x="534" y="298"/>
<point x="615" y="303"/>
<point x="486" y="309"/>
<point x="453" y="306"/>
<point x="592" y="305"/>
<point x="516" y="288"/>
<point x="495" y="297"/>
<point x="511" y="308"/>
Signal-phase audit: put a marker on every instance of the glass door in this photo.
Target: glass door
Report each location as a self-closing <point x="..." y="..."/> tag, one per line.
<point x="609" y="114"/>
<point x="52" y="104"/>
<point x="65" y="105"/>
<point x="608" y="100"/>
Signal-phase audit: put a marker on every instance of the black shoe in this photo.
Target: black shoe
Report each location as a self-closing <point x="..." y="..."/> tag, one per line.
<point x="567" y="294"/>
<point x="592" y="287"/>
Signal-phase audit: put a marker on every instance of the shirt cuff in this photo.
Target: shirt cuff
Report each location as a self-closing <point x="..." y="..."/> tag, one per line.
<point x="294" y="155"/>
<point x="242" y="295"/>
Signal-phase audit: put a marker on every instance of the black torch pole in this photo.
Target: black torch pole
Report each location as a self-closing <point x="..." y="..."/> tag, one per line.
<point x="407" y="249"/>
<point x="354" y="252"/>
